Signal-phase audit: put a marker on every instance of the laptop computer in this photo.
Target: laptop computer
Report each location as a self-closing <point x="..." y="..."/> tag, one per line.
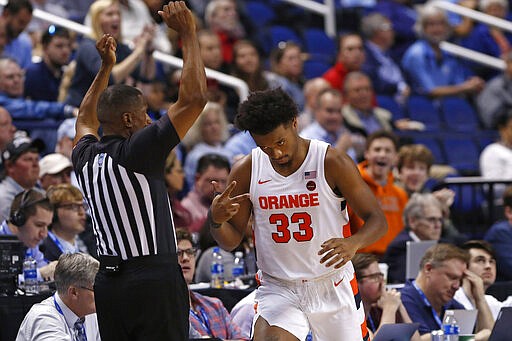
<point x="396" y="332"/>
<point x="501" y="330"/>
<point x="414" y="251"/>
<point x="466" y="319"/>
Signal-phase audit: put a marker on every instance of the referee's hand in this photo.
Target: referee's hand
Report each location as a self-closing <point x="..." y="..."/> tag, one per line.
<point x="223" y="206"/>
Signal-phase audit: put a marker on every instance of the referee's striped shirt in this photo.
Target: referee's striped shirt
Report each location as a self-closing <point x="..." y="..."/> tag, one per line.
<point x="123" y="182"/>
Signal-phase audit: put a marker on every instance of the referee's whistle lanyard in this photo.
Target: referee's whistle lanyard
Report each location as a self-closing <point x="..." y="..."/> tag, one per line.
<point x="427" y="303"/>
<point x="203" y="319"/>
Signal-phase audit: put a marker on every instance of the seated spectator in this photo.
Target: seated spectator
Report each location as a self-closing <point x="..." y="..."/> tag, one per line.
<point x="221" y="16"/>
<point x="426" y="298"/>
<point x="69" y="220"/>
<point x="431" y="71"/>
<point x="239" y="145"/>
<point x="210" y="167"/>
<point x="360" y="113"/>
<point x="423" y="221"/>
<point x="16" y="15"/>
<point x="30" y="215"/>
<point x="207" y="315"/>
<point x="42" y="79"/>
<point x="380" y="158"/>
<point x="496" y="158"/>
<point x="499" y="236"/>
<point x="70" y="314"/>
<point x="311" y="89"/>
<point x="286" y="60"/>
<point x="385" y="74"/>
<point x="65" y="136"/>
<point x="328" y="125"/>
<point x="350" y="58"/>
<point x="21" y="160"/>
<point x="54" y="169"/>
<point x="174" y="180"/>
<point x="482" y="263"/>
<point x="206" y="136"/>
<point x="7" y="130"/>
<point x="487" y="39"/>
<point x="381" y="306"/>
<point x="137" y="64"/>
<point x="495" y="98"/>
<point x="11" y="96"/>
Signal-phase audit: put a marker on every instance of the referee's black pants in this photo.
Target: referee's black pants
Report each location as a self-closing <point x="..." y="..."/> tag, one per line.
<point x="146" y="299"/>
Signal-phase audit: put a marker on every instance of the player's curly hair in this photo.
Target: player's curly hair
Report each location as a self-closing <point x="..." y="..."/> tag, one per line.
<point x="264" y="111"/>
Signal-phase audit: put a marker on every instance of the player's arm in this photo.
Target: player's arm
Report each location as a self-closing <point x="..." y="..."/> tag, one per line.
<point x="342" y="173"/>
<point x="192" y="91"/>
<point x="87" y="120"/>
<point x="230" y="211"/>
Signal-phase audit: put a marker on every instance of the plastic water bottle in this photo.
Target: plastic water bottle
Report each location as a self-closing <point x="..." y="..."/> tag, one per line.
<point x="450" y="327"/>
<point x="238" y="270"/>
<point x="217" y="269"/>
<point x="30" y="274"/>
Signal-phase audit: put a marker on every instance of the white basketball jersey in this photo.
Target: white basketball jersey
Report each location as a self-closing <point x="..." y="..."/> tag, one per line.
<point x="294" y="215"/>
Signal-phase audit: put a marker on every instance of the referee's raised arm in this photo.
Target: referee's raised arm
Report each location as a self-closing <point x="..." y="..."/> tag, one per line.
<point x="192" y="91"/>
<point x="87" y="120"/>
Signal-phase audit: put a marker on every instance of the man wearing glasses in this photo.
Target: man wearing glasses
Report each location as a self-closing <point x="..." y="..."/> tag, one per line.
<point x="207" y="315"/>
<point x="70" y="313"/>
<point x="69" y="219"/>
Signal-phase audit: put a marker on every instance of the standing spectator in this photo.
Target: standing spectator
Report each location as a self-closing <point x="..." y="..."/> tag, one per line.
<point x="328" y="125"/>
<point x="423" y="221"/>
<point x="221" y="16"/>
<point x="42" y="79"/>
<point x="380" y="158"/>
<point x="426" y="298"/>
<point x="496" y="158"/>
<point x="70" y="313"/>
<point x="210" y="167"/>
<point x="11" y="96"/>
<point x="381" y="306"/>
<point x="350" y="58"/>
<point x="429" y="70"/>
<point x="132" y="220"/>
<point x="17" y="15"/>
<point x="500" y="237"/>
<point x="69" y="219"/>
<point x="207" y="314"/>
<point x="137" y="63"/>
<point x="385" y="74"/>
<point x="482" y="262"/>
<point x="21" y="160"/>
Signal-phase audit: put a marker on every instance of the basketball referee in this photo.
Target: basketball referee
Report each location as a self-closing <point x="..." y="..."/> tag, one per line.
<point x="140" y="292"/>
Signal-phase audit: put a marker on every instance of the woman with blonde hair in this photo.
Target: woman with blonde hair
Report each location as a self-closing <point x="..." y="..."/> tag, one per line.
<point x="137" y="64"/>
<point x="206" y="136"/>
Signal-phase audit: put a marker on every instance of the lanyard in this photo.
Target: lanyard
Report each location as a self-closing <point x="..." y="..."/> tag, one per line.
<point x="203" y="319"/>
<point x="59" y="309"/>
<point x="427" y="303"/>
<point x="56" y="241"/>
<point x="372" y="324"/>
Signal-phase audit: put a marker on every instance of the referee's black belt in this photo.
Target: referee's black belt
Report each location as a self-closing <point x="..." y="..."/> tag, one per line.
<point x="114" y="264"/>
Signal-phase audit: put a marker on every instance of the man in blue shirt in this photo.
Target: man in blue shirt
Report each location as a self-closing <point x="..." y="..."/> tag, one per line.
<point x="426" y="298"/>
<point x="16" y="15"/>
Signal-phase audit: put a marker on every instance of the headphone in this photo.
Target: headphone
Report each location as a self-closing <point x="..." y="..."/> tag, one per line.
<point x="18" y="217"/>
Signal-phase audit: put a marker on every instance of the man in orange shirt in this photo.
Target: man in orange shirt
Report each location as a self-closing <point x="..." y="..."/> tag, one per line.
<point x="380" y="158"/>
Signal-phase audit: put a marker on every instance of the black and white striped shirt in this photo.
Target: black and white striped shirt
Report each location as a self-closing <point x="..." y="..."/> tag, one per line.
<point x="123" y="182"/>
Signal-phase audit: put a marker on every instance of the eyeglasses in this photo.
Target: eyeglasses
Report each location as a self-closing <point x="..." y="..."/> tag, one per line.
<point x="190" y="252"/>
<point x="86" y="288"/>
<point x="433" y="220"/>
<point x="375" y="277"/>
<point x="74" y="207"/>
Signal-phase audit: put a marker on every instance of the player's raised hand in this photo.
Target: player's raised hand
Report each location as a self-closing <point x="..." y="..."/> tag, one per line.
<point x="337" y="252"/>
<point x="178" y="17"/>
<point x="223" y="206"/>
<point x="106" y="47"/>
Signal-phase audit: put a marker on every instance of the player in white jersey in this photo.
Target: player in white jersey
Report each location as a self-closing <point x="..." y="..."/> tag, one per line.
<point x="298" y="190"/>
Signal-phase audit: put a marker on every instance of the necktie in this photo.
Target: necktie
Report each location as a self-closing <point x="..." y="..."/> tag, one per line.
<point x="80" y="330"/>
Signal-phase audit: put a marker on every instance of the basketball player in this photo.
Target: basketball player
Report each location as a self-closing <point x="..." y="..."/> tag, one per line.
<point x="298" y="192"/>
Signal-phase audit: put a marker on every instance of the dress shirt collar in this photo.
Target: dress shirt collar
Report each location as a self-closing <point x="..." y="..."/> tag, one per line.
<point x="69" y="316"/>
<point x="414" y="236"/>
